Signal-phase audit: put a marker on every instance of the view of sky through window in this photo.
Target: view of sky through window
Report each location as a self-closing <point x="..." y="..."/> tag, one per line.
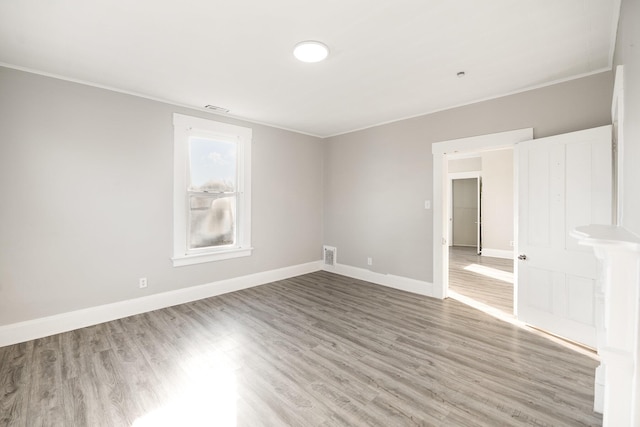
<point x="212" y="165"/>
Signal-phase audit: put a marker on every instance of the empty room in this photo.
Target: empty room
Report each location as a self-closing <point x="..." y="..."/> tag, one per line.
<point x="253" y="213"/>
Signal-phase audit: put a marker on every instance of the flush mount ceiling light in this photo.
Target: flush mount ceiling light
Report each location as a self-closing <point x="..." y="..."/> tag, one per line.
<point x="310" y="51"/>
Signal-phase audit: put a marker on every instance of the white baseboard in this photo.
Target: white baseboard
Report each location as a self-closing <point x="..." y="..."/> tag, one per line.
<point x="497" y="253"/>
<point x="389" y="280"/>
<point x="50" y="325"/>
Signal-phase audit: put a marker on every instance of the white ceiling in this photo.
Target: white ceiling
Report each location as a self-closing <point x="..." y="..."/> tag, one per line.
<point x="389" y="59"/>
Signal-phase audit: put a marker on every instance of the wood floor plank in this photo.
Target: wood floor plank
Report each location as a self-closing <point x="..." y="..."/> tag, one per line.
<point x="314" y="350"/>
<point x="15" y="376"/>
<point x="46" y="398"/>
<point x="84" y="405"/>
<point x="478" y="283"/>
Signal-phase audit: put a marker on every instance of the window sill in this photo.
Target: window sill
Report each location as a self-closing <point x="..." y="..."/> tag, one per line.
<point x="179" y="261"/>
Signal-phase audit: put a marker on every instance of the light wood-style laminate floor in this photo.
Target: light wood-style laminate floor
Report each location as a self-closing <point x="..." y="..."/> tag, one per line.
<point x="315" y="350"/>
<point x="484" y="279"/>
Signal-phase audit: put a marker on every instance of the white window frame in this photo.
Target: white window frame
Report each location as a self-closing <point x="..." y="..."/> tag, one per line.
<point x="184" y="128"/>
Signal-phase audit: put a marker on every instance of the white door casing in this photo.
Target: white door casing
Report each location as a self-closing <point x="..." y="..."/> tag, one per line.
<point x="441" y="152"/>
<point x="479" y="216"/>
<point x="564" y="182"/>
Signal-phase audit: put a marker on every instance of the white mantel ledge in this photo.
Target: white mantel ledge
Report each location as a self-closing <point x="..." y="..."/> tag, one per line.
<point x="607" y="235"/>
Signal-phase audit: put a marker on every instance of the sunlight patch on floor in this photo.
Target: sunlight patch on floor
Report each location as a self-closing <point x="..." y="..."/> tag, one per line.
<point x="511" y="318"/>
<point x="208" y="397"/>
<point x="492" y="311"/>
<point x="494" y="273"/>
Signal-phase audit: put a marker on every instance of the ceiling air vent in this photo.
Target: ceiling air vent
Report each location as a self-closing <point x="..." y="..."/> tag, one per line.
<point x="216" y="109"/>
<point x="329" y="256"/>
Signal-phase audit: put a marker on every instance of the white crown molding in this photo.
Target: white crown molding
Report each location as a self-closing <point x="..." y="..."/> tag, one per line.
<point x="257" y="122"/>
<point x="151" y="98"/>
<point x="477" y="101"/>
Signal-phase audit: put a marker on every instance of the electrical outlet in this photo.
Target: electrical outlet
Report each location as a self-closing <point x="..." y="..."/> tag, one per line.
<point x="369" y="261"/>
<point x="511" y="243"/>
<point x="142" y="282"/>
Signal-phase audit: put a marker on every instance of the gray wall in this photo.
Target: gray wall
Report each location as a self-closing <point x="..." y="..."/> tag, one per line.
<point x="628" y="54"/>
<point x="86" y="178"/>
<point x="376" y="180"/>
<point x="497" y="199"/>
<point x="465" y="165"/>
<point x="496" y="167"/>
<point x="86" y="182"/>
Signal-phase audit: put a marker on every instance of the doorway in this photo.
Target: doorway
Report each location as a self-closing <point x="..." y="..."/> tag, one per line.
<point x="465" y="212"/>
<point x="441" y="153"/>
<point x="578" y="164"/>
<point x="481" y="275"/>
<point x="465" y="209"/>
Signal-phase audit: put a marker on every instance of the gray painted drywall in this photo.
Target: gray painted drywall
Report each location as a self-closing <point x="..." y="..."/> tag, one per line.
<point x="496" y="167"/>
<point x="497" y="199"/>
<point x="465" y="165"/>
<point x="86" y="177"/>
<point x="376" y="180"/>
<point x="627" y="53"/>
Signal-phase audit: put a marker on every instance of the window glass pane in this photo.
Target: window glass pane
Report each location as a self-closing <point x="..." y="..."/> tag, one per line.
<point x="212" y="221"/>
<point x="212" y="165"/>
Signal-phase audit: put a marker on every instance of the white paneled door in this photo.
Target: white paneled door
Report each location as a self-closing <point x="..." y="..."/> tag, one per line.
<point x="564" y="181"/>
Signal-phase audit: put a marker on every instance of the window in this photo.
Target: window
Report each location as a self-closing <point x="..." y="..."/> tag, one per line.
<point x="212" y="191"/>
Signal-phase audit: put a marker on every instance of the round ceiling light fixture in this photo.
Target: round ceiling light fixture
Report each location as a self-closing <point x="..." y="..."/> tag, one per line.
<point x="310" y="51"/>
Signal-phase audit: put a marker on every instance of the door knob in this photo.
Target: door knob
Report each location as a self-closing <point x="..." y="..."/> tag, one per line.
<point x="522" y="257"/>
